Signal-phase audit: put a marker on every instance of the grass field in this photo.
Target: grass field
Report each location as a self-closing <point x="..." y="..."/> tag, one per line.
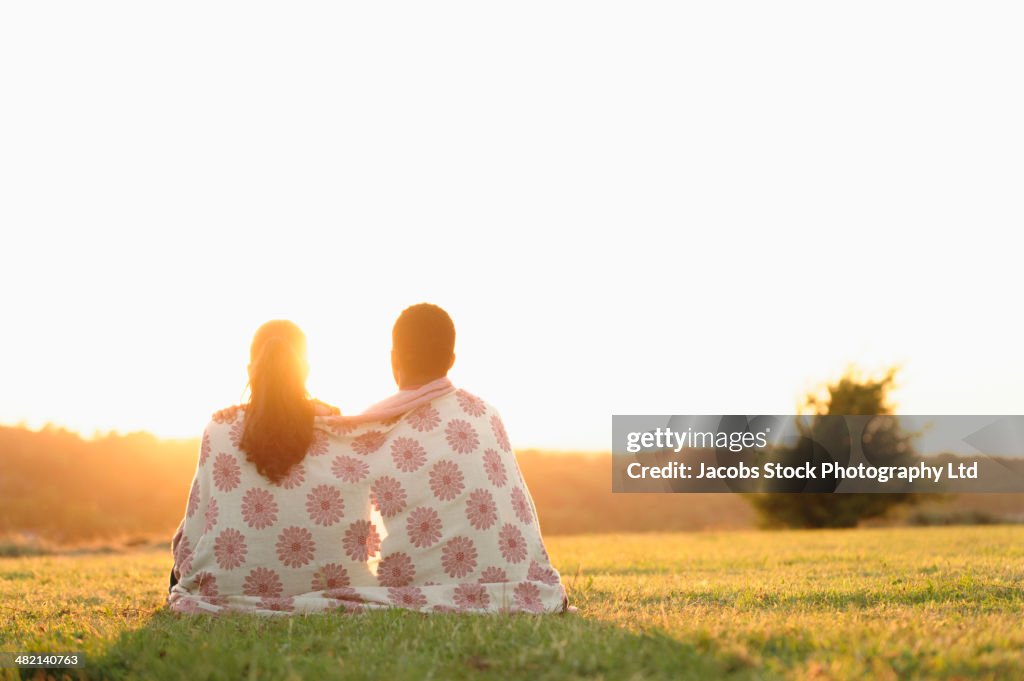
<point x="880" y="604"/>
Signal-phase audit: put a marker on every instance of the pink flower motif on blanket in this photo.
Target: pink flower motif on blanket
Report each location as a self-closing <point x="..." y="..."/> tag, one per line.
<point x="226" y="473"/>
<point x="424" y="418"/>
<point x="286" y="604"/>
<point x="368" y="442"/>
<point x="319" y="446"/>
<point x="361" y="540"/>
<point x="344" y="593"/>
<point x="229" y="548"/>
<point x="471" y="596"/>
<point x="481" y="509"/>
<point x="423" y="527"/>
<point x="349" y="469"/>
<point x="494" y="468"/>
<point x="536" y="573"/>
<point x="407" y="597"/>
<point x="296" y="476"/>
<point x="461" y="436"/>
<point x="446" y="480"/>
<point x="295" y="546"/>
<point x="396" y="570"/>
<point x="387" y="496"/>
<point x="193" y="499"/>
<point x="493" y="575"/>
<point x="183" y="556"/>
<point x="259" y="510"/>
<point x="471" y="404"/>
<point x="340" y="426"/>
<point x="527" y="596"/>
<point x="325" y="505"/>
<point x="262" y="582"/>
<point x="408" y="454"/>
<point x="208" y="587"/>
<point x="204" y="450"/>
<point x="458" y="557"/>
<point x="330" y="576"/>
<point x="210" y="515"/>
<point x="499" y="432"/>
<point x="237" y="430"/>
<point x="521" y="505"/>
<point x="511" y="543"/>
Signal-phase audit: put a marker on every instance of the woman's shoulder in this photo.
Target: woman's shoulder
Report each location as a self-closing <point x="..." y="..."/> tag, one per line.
<point x="228" y="415"/>
<point x="225" y="426"/>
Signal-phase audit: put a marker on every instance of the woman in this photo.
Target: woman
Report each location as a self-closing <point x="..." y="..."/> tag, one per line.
<point x="277" y="429"/>
<point x="417" y="503"/>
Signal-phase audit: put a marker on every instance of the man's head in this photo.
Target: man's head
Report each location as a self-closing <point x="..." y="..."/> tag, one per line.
<point x="422" y="345"/>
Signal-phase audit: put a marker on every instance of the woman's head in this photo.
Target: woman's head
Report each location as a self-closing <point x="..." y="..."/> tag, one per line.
<point x="279" y="417"/>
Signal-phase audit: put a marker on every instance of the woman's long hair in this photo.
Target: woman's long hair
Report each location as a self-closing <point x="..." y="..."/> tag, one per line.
<point x="279" y="417"/>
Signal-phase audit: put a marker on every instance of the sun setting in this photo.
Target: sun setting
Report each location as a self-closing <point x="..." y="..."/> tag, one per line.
<point x="119" y="338"/>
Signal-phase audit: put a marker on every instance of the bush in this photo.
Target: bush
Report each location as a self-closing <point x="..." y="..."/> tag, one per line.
<point x="852" y="395"/>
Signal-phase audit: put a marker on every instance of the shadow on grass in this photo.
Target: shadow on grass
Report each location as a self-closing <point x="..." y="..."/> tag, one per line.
<point x="397" y="644"/>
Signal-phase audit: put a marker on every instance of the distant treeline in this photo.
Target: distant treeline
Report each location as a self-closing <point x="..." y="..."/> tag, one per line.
<point x="62" y="488"/>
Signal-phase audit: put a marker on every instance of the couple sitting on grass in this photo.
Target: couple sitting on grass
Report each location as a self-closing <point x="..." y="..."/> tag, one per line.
<point x="417" y="503"/>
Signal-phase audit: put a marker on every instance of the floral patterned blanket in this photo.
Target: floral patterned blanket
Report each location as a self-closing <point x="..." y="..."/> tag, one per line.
<point x="426" y="510"/>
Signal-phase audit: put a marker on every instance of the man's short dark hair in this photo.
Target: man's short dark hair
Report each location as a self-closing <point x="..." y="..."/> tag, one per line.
<point x="424" y="339"/>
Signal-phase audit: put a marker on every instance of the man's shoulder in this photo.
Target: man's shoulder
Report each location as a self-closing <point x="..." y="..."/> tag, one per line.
<point x="471" y="403"/>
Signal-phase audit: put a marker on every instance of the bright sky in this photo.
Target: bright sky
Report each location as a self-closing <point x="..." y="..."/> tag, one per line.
<point x="626" y="207"/>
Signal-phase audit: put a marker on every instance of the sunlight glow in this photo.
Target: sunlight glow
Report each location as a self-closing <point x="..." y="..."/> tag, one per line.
<point x="658" y="208"/>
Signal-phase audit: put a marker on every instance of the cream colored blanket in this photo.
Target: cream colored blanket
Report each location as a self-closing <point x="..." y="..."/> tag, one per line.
<point x="426" y="510"/>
